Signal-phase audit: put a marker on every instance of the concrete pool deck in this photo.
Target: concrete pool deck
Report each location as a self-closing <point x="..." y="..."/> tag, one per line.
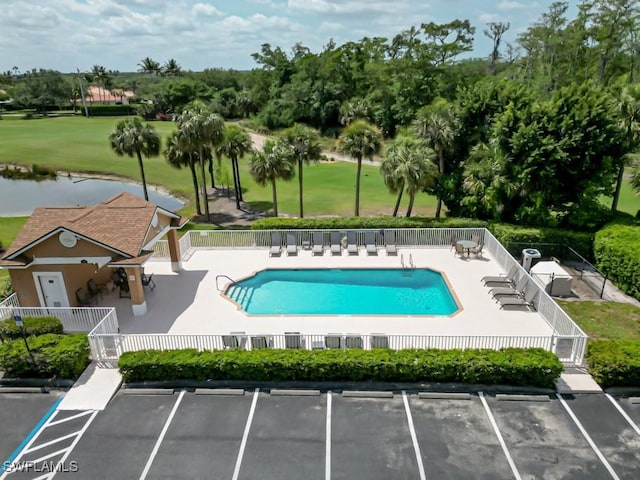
<point x="189" y="302"/>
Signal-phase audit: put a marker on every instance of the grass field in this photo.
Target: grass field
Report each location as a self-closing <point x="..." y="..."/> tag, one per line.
<point x="9" y="228"/>
<point x="80" y="145"/>
<point x="605" y="320"/>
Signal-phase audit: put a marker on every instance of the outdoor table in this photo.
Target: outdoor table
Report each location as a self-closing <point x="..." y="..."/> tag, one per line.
<point x="467" y="245"/>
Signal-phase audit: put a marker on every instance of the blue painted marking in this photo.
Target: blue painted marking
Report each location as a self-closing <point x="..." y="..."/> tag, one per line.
<point x="28" y="438"/>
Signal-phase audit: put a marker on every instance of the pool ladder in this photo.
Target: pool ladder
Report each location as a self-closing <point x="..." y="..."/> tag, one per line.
<point x="408" y="268"/>
<point x="233" y="282"/>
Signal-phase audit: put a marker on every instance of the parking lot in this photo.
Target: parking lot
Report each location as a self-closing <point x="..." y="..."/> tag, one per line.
<point x="332" y="436"/>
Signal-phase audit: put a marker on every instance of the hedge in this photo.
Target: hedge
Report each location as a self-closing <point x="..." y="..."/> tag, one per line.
<point x="110" y="110"/>
<point x="56" y="356"/>
<point x="520" y="367"/>
<point x="32" y="326"/>
<point x="617" y="253"/>
<point x="615" y="363"/>
<point x="342" y="223"/>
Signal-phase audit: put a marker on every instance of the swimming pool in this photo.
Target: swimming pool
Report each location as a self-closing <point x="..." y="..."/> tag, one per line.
<point x="381" y="291"/>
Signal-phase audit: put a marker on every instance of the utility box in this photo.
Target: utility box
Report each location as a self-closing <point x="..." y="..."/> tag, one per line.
<point x="528" y="256"/>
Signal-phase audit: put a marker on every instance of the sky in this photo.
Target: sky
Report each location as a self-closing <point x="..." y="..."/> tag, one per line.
<point x="66" y="35"/>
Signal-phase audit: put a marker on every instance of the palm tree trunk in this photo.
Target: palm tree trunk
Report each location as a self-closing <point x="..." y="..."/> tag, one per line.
<point x="213" y="183"/>
<point x="300" y="185"/>
<point x="239" y="183"/>
<point x="616" y="193"/>
<point x="144" y="180"/>
<point x="441" y="161"/>
<point x="205" y="198"/>
<point x="194" y="177"/>
<point x="398" y="200"/>
<point x="275" y="197"/>
<point x="412" y="197"/>
<point x="236" y="185"/>
<point x="358" y="170"/>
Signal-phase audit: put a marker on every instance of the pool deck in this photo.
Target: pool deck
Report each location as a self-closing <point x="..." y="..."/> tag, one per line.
<point x="189" y="303"/>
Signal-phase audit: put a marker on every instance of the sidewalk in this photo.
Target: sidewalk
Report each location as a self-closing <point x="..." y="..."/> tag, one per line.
<point x="576" y="380"/>
<point x="93" y="390"/>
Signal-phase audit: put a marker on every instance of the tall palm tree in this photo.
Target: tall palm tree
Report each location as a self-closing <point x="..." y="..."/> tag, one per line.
<point x="306" y="149"/>
<point x="149" y="65"/>
<point x="629" y="111"/>
<point x="275" y="161"/>
<point x="178" y="155"/>
<point x="437" y="124"/>
<point x="406" y="165"/>
<point x="235" y="144"/>
<point x="199" y="128"/>
<point x="100" y="75"/>
<point x="172" y="68"/>
<point x="360" y="139"/>
<point x="132" y="137"/>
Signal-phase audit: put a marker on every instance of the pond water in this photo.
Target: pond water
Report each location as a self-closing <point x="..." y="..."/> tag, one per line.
<point x="21" y="197"/>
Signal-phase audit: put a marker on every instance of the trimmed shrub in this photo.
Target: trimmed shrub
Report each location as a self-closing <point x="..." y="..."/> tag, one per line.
<point x="110" y="110"/>
<point x="56" y="356"/>
<point x="617" y="252"/>
<point x="615" y="363"/>
<point x="33" y="326"/>
<point x="520" y="367"/>
<point x="341" y="223"/>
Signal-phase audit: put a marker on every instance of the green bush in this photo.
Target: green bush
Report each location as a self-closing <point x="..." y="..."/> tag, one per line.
<point x="33" y="326"/>
<point x="341" y="223"/>
<point x="617" y="253"/>
<point x="56" y="356"/>
<point x="520" y="367"/>
<point x="615" y="363"/>
<point x="110" y="110"/>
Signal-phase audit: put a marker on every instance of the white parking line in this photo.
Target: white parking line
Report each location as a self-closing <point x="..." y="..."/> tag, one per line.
<point x="72" y="417"/>
<point x="414" y="438"/>
<point x="245" y="435"/>
<point x="327" y="459"/>
<point x="156" y="447"/>
<point x="624" y="414"/>
<point x="512" y="464"/>
<point x="73" y="445"/>
<point x="55" y="440"/>
<point x="588" y="438"/>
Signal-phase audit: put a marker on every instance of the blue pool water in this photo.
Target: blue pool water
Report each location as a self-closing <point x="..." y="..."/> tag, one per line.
<point x="344" y="292"/>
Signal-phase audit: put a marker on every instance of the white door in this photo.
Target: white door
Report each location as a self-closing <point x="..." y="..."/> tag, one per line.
<point x="51" y="289"/>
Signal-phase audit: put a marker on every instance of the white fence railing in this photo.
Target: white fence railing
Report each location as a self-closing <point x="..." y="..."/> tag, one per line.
<point x="74" y="319"/>
<point x="5" y="306"/>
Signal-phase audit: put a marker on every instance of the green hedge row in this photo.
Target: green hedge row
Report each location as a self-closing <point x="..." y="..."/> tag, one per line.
<point x="615" y="363"/>
<point x="110" y="110"/>
<point x="617" y="253"/>
<point x="32" y="326"/>
<point x="342" y="223"/>
<point x="520" y="367"/>
<point x="56" y="356"/>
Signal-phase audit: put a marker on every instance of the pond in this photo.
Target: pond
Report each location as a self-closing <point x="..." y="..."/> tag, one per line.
<point x="20" y="197"/>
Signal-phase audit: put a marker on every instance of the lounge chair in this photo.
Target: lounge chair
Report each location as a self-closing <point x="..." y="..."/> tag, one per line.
<point x="379" y="340"/>
<point x="260" y="342"/>
<point x="353" y="341"/>
<point x="370" y="243"/>
<point x="335" y="243"/>
<point x="508" y="278"/>
<point x="234" y="340"/>
<point x="526" y="301"/>
<point x="516" y="290"/>
<point x="293" y="340"/>
<point x="318" y="243"/>
<point x="84" y="298"/>
<point x="333" y="340"/>
<point x="276" y="244"/>
<point x="292" y="247"/>
<point x="390" y="243"/>
<point x="352" y="243"/>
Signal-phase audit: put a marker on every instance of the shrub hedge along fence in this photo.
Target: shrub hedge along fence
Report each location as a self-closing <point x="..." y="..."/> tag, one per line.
<point x="519" y="367"/>
<point x="617" y="252"/>
<point x="615" y="363"/>
<point x="32" y="326"/>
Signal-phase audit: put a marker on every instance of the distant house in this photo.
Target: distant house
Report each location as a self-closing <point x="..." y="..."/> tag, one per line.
<point x="95" y="94"/>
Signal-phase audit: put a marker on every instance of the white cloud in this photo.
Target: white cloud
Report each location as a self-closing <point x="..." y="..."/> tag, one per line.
<point x="347" y="6"/>
<point x="330" y="27"/>
<point x="514" y="5"/>
<point x="206" y="10"/>
<point x="488" y="17"/>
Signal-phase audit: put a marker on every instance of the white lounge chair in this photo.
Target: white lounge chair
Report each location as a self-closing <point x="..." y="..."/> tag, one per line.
<point x="390" y="243"/>
<point x="276" y="244"/>
<point x="516" y="290"/>
<point x="352" y="243"/>
<point x="333" y="340"/>
<point x="379" y="340"/>
<point x="353" y="341"/>
<point x="336" y="249"/>
<point x="370" y="243"/>
<point x="318" y="243"/>
<point x="508" y="278"/>
<point x="292" y="247"/>
<point x="527" y="301"/>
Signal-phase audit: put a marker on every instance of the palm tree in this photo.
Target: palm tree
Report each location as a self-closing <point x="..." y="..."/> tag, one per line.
<point x="629" y="110"/>
<point x="275" y="161"/>
<point x="437" y="124"/>
<point x="99" y="74"/>
<point x="132" y="137"/>
<point x="199" y="128"/>
<point x="149" y="65"/>
<point x="171" y="67"/>
<point x="178" y="155"/>
<point x="360" y="139"/>
<point x="236" y="144"/>
<point x="406" y="165"/>
<point x="306" y="149"/>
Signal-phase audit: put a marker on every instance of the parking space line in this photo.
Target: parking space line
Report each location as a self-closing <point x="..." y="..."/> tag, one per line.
<point x="51" y="442"/>
<point x="73" y="445"/>
<point x="245" y="435"/>
<point x="512" y="464"/>
<point x="49" y="455"/>
<point x="72" y="417"/>
<point x="327" y="460"/>
<point x="156" y="447"/>
<point x="623" y="413"/>
<point x="414" y="438"/>
<point x="588" y="438"/>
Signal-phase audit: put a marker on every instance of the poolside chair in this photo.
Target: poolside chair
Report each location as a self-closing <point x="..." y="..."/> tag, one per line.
<point x="335" y="243"/>
<point x="475" y="238"/>
<point x="353" y="341"/>
<point x="459" y="250"/>
<point x="333" y="340"/>
<point x="526" y="301"/>
<point x="293" y="340"/>
<point x="147" y="281"/>
<point x="508" y="278"/>
<point x="234" y="340"/>
<point x="352" y="243"/>
<point x="516" y="290"/>
<point x="477" y="250"/>
<point x="276" y="244"/>
<point x="379" y="340"/>
<point x="93" y="289"/>
<point x="292" y="247"/>
<point x="260" y="342"/>
<point x="370" y="243"/>
<point x="84" y="298"/>
<point x="390" y="243"/>
<point x="318" y="243"/>
<point x="454" y="241"/>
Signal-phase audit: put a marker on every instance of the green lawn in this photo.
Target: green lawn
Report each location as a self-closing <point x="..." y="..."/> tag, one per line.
<point x="80" y="145"/>
<point x="605" y="320"/>
<point x="9" y="228"/>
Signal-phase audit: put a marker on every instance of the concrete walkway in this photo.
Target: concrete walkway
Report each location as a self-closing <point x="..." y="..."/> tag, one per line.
<point x="93" y="390"/>
<point x="576" y="380"/>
